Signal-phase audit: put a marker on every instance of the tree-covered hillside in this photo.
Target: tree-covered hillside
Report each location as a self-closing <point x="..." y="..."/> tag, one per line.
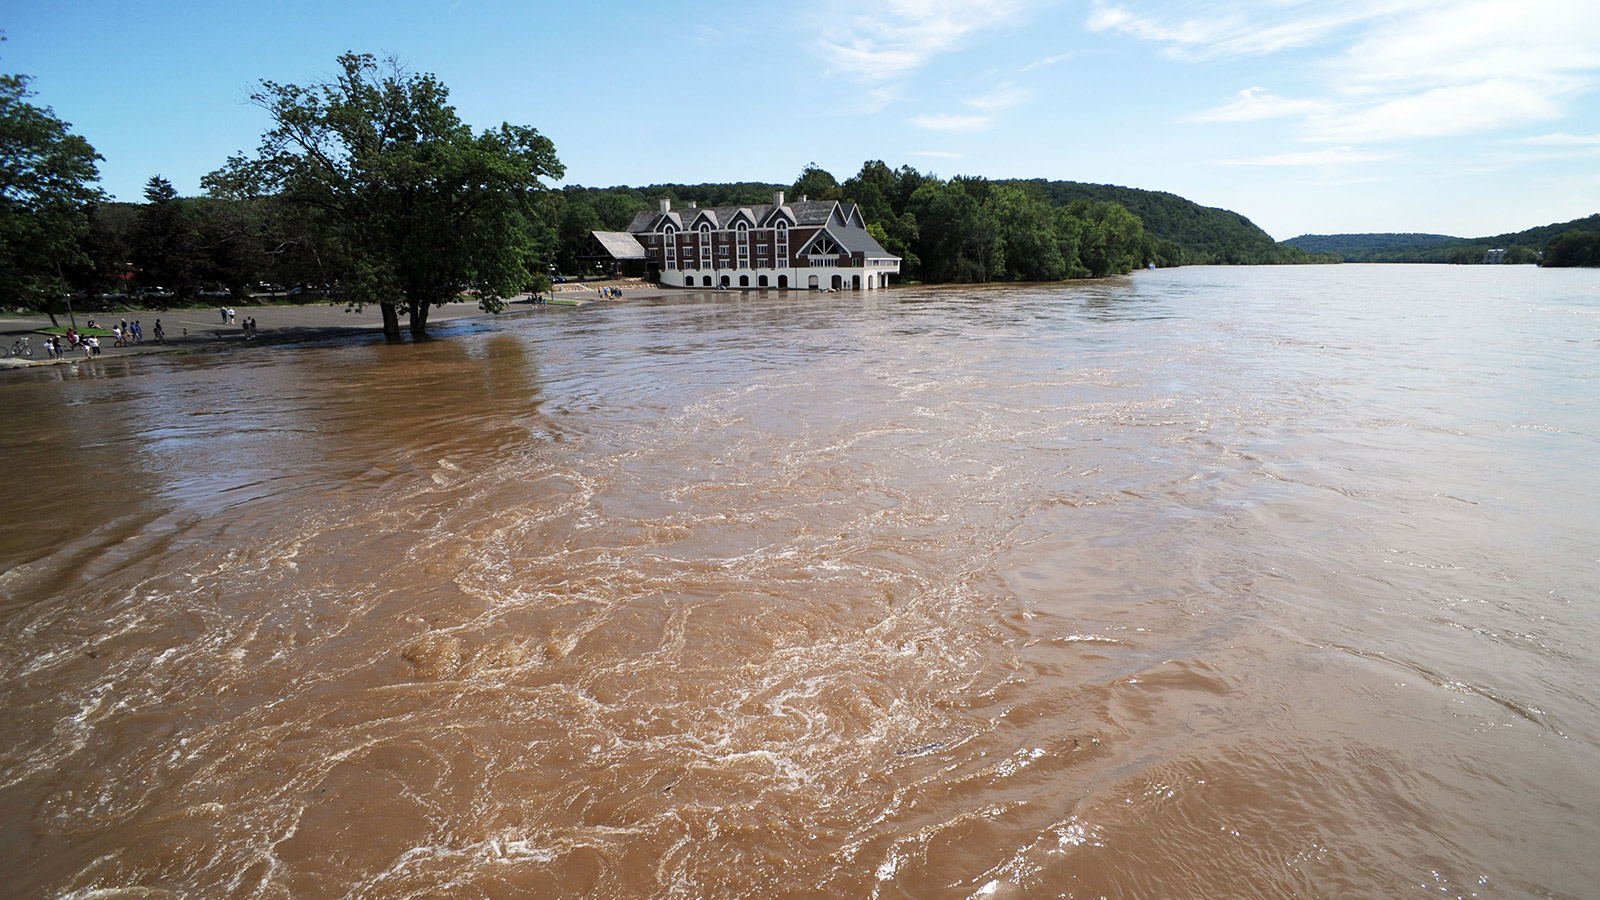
<point x="1208" y="235"/>
<point x="1348" y="244"/>
<point x="1521" y="246"/>
<point x="1175" y="231"/>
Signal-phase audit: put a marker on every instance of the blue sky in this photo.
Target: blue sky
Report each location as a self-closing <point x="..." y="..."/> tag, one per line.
<point x="1465" y="117"/>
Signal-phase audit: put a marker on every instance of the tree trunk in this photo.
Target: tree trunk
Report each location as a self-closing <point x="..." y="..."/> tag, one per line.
<point x="391" y="320"/>
<point x="419" y="318"/>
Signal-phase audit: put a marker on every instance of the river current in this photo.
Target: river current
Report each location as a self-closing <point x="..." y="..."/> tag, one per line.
<point x="1203" y="583"/>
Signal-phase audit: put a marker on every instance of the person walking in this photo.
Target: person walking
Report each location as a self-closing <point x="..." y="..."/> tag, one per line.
<point x="161" y="336"/>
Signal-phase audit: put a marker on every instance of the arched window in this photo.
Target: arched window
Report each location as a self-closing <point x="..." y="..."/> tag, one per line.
<point x="783" y="282"/>
<point x="761" y="281"/>
<point x="744" y="281"/>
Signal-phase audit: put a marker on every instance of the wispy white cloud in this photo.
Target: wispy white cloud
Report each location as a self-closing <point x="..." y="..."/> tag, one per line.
<point x="883" y="40"/>
<point x="1048" y="61"/>
<point x="1255" y="103"/>
<point x="1441" y="112"/>
<point x="1237" y="29"/>
<point x="1003" y="96"/>
<point x="1441" y="44"/>
<point x="947" y="122"/>
<point x="1559" y="139"/>
<point x="1333" y="156"/>
<point x="1389" y="70"/>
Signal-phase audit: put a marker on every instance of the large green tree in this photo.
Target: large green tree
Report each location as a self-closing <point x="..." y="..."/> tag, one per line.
<point x="46" y="186"/>
<point x="165" y="243"/>
<point x="408" y="205"/>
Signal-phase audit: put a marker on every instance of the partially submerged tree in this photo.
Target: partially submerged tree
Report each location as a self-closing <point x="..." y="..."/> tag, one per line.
<point x="409" y="207"/>
<point x="46" y="178"/>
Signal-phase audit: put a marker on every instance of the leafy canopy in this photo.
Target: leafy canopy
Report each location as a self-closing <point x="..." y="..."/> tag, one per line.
<point x="46" y="185"/>
<point x="408" y="207"/>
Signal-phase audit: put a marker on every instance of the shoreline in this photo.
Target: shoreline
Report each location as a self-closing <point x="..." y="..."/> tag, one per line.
<point x="200" y="329"/>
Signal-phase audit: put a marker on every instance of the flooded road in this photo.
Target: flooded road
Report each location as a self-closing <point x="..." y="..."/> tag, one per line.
<point x="1207" y="582"/>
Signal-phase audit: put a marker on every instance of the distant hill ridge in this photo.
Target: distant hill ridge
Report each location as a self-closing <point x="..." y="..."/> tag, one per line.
<point x="1520" y="246"/>
<point x="1340" y="243"/>
<point x="1207" y="235"/>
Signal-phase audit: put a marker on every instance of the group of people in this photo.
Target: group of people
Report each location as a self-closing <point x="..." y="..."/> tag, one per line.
<point x="123" y="334"/>
<point x="89" y="345"/>
<point x="610" y="293"/>
<point x="249" y="326"/>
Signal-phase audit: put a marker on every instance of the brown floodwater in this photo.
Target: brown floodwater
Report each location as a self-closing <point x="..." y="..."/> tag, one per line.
<point x="1204" y="583"/>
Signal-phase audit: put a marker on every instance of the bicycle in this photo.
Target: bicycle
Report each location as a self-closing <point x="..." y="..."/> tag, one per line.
<point x="21" y="348"/>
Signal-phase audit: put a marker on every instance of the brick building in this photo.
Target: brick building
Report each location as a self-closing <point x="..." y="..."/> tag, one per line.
<point x="809" y="245"/>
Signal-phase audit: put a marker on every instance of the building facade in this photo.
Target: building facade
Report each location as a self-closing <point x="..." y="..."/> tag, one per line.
<point x="806" y="245"/>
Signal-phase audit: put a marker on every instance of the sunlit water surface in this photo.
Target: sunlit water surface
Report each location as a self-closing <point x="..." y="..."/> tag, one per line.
<point x="1204" y="583"/>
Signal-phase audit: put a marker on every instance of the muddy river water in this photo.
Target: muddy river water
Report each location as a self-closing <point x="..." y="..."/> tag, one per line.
<point x="1203" y="583"/>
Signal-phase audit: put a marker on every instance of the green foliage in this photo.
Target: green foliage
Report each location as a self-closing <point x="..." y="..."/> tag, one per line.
<point x="406" y="204"/>
<point x="1205" y="235"/>
<point x="1573" y="248"/>
<point x="1521" y="247"/>
<point x="1032" y="246"/>
<point x="970" y="229"/>
<point x="742" y="193"/>
<point x="46" y="178"/>
<point x="816" y="183"/>
<point x="1111" y="239"/>
<point x="1367" y="247"/>
<point x="165" y="243"/>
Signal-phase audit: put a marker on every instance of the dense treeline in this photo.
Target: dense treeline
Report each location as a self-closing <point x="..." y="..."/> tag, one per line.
<point x="1574" y="248"/>
<point x="1521" y="247"/>
<point x="969" y="229"/>
<point x="1352" y="247"/>
<point x="1205" y="235"/>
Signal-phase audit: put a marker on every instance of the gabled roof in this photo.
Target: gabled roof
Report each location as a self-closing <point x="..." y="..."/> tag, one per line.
<point x="620" y="244"/>
<point x="841" y="221"/>
<point x="707" y="214"/>
<point x="650" y="220"/>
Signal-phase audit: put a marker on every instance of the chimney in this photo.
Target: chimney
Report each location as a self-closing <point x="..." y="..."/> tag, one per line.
<point x="802" y="198"/>
<point x="693" y="205"/>
<point x="666" y="205"/>
<point x="777" y="198"/>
